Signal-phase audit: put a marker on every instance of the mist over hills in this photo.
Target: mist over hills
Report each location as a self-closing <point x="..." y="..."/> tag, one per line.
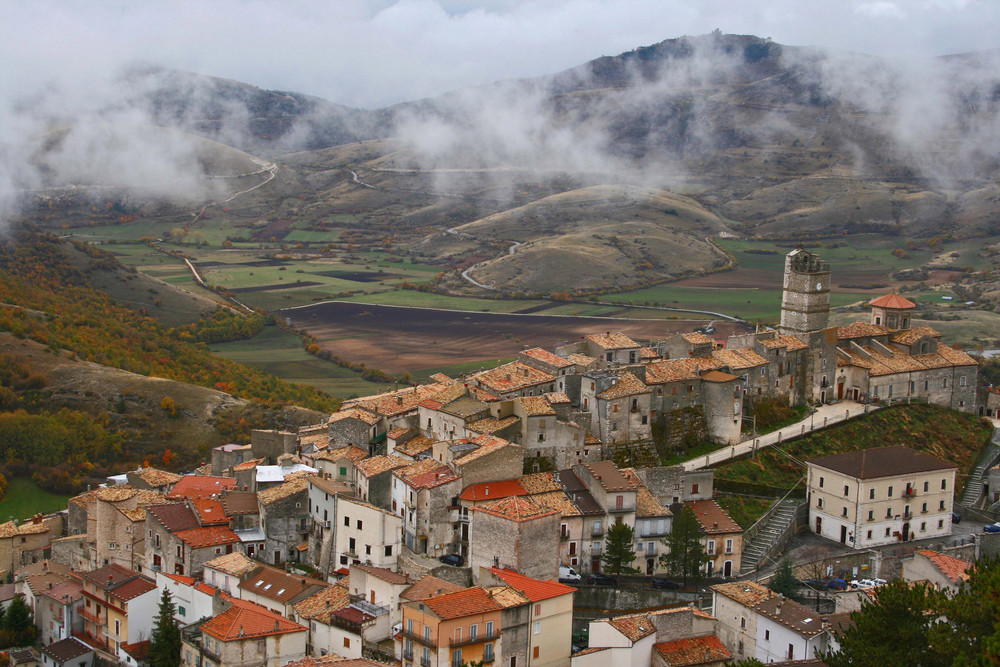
<point x="770" y="140"/>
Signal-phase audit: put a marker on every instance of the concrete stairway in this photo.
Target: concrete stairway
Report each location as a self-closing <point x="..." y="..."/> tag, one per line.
<point x="974" y="487"/>
<point x="763" y="541"/>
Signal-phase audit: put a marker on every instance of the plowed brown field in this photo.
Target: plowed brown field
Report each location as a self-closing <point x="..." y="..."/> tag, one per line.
<point x="397" y="339"/>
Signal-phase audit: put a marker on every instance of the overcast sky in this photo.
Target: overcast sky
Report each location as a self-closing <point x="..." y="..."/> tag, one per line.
<point x="377" y="52"/>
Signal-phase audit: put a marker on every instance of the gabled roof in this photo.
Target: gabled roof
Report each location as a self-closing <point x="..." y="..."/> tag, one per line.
<point x="330" y="486"/>
<point x="429" y="586"/>
<point x="796" y="617"/>
<point x="236" y="503"/>
<point x="861" y="329"/>
<point x="677" y="370"/>
<point x="425" y="474"/>
<point x="278" y="585"/>
<point x="414" y="446"/>
<point x="323" y="602"/>
<point x="489" y="425"/>
<point x="540" y="482"/>
<point x="208" y="536"/>
<point x="634" y="626"/>
<point x="493" y="490"/>
<point x="536" y="406"/>
<point x="487" y="444"/>
<point x="646" y="504"/>
<point x="384" y="574"/>
<point x="236" y="564"/>
<point x="788" y="341"/>
<point x="718" y="376"/>
<point x="515" y="508"/>
<point x="251" y="464"/>
<point x="612" y="340"/>
<point x="892" y="301"/>
<point x="209" y="511"/>
<point x="246" y="620"/>
<point x="465" y="602"/>
<point x="351" y="453"/>
<point x="692" y="651"/>
<point x="283" y="491"/>
<point x="157" y="477"/>
<point x="65" y="650"/>
<point x="627" y="385"/>
<point x="713" y="519"/>
<point x="739" y="359"/>
<point x="395" y="402"/>
<point x="913" y="334"/>
<point x="355" y="413"/>
<point x="116" y="493"/>
<point x="881" y="462"/>
<point x="69" y="590"/>
<point x="174" y="516"/>
<point x="747" y="593"/>
<point x="546" y="357"/>
<point x="609" y="476"/>
<point x="109" y="576"/>
<point x="132" y="589"/>
<point x="376" y="465"/>
<point x="697" y="338"/>
<point x="535" y="589"/>
<point x="558" y="501"/>
<point x="955" y="569"/>
<point x="512" y="377"/>
<point x="200" y="486"/>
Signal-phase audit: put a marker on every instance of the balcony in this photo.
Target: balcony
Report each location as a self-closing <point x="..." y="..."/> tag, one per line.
<point x="563" y="537"/>
<point x="489" y="657"/>
<point x="458" y="517"/>
<point x="91" y="616"/>
<point x="597" y="531"/>
<point x="425" y="662"/>
<point x="649" y="550"/>
<point x="407" y="654"/>
<point x="410" y="504"/>
<point x="419" y="639"/>
<point x="370" y="608"/>
<point x="473" y="640"/>
<point x="624" y="509"/>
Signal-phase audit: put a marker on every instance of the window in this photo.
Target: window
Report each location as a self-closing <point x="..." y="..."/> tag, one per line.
<point x="427" y="633"/>
<point x="360" y="523"/>
<point x="534" y="653"/>
<point x="961" y="381"/>
<point x="944" y="383"/>
<point x="181" y="610"/>
<point x="871" y="515"/>
<point x="538" y="609"/>
<point x="890" y="493"/>
<point x="614" y="408"/>
<point x="821" y="480"/>
<point x="179" y="551"/>
<point x="694" y="488"/>
<point x="944" y="484"/>
<point x="847" y="489"/>
<point x="923" y="508"/>
<point x="767" y="634"/>
<point x="711" y="548"/>
<point x="843" y="512"/>
<point x="347" y="521"/>
<point x="871" y="494"/>
<point x="923" y="526"/>
<point x="869" y="534"/>
<point x="536" y="628"/>
<point x="388" y="550"/>
<point x="887" y="532"/>
<point x="473" y="631"/>
<point x="819" y="503"/>
<point x="489" y="628"/>
<point x="347" y="642"/>
<point x="888" y="512"/>
<point x="791" y="651"/>
<point x="743" y="622"/>
<point x="941" y="506"/>
<point x="927" y="487"/>
<point x="729" y="546"/>
<point x="940" y="523"/>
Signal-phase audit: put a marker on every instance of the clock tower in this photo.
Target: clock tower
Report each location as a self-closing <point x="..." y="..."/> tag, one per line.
<point x="805" y="299"/>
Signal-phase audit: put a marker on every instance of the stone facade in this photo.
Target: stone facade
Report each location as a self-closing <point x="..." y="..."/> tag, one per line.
<point x="805" y="299"/>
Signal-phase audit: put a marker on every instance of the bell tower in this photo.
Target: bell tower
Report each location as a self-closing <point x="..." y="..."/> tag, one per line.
<point x="805" y="299"/>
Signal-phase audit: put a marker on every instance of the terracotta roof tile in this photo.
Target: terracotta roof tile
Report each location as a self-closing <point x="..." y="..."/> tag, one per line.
<point x="627" y="385"/>
<point x="66" y="650"/>
<point x="488" y="444"/>
<point x="648" y="354"/>
<point x="646" y="504"/>
<point x="747" y="593"/>
<point x="718" y="376"/>
<point x="117" y="493"/>
<point x="251" y="464"/>
<point x="209" y="511"/>
<point x="248" y="621"/>
<point x="174" y="516"/>
<point x="612" y="340"/>
<point x="861" y="329"/>
<point x="892" y="301"/>
<point x="109" y="576"/>
<point x="535" y="589"/>
<point x="132" y="589"/>
<point x="395" y="403"/>
<point x="507" y="597"/>
<point x="278" y="585"/>
<point x="697" y="338"/>
<point x="515" y="508"/>
<point x="319" y="605"/>
<point x="157" y="477"/>
<point x="283" y="490"/>
<point x="490" y="425"/>
<point x="493" y="490"/>
<point x="791" y="342"/>
<point x="355" y="413"/>
<point x="511" y="377"/>
<point x="582" y="360"/>
<point x="911" y="336"/>
<point x="351" y="453"/>
<point x="465" y="602"/>
<point x="546" y="357"/>
<point x="739" y="359"/>
<point x="675" y="370"/>
<point x="955" y="569"/>
<point x="384" y="574"/>
<point x="713" y="519"/>
<point x="237" y="503"/>
<point x="376" y="465"/>
<point x="634" y="627"/>
<point x="797" y="617"/>
<point x="429" y="586"/>
<point x="200" y="486"/>
<point x="609" y="476"/>
<point x="135" y="515"/>
<point x="425" y="474"/>
<point x="236" y="564"/>
<point x="208" y="536"/>
<point x="415" y="446"/>
<point x="693" y="651"/>
<point x="540" y="482"/>
<point x="536" y="406"/>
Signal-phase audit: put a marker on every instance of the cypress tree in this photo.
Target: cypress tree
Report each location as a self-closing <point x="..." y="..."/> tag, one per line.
<point x="165" y="648"/>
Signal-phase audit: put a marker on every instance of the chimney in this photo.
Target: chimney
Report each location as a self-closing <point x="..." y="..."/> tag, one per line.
<point x="277" y="626"/>
<point x="399" y="400"/>
<point x="241" y="631"/>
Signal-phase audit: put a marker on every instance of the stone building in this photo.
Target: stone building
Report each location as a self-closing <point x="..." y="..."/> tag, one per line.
<point x="722" y="538"/>
<point x="119" y="526"/>
<point x="152" y="479"/>
<point x="514" y="379"/>
<point x="422" y="494"/>
<point x="515" y="533"/>
<point x="355" y="427"/>
<point x="374" y="478"/>
<point x="243" y="634"/>
<point x="805" y="298"/>
<point x="224" y="457"/>
<point x="227" y="571"/>
<point x="269" y="445"/>
<point x="284" y="517"/>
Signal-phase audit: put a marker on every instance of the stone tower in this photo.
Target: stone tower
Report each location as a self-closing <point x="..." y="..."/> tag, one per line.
<point x="805" y="300"/>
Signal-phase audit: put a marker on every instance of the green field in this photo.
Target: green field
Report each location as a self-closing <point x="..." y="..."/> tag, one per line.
<point x="431" y="300"/>
<point x="279" y="352"/>
<point x="25" y="499"/>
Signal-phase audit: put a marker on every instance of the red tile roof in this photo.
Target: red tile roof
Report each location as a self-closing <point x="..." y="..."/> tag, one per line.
<point x="692" y="651"/>
<point x="635" y="626"/>
<point x="207" y="536"/>
<point x="955" y="569"/>
<point x="612" y="340"/>
<point x="465" y="602"/>
<point x="132" y="589"/>
<point x="535" y="589"/>
<point x="892" y="301"/>
<point x="180" y="578"/>
<point x="493" y="490"/>
<point x="546" y="357"/>
<point x="200" y="486"/>
<point x="209" y="511"/>
<point x="515" y="508"/>
<point x="245" y="619"/>
<point x="714" y="519"/>
<point x="429" y="586"/>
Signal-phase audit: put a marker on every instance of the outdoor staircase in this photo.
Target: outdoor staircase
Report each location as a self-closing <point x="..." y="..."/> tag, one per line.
<point x="974" y="487"/>
<point x="326" y="550"/>
<point x="761" y="543"/>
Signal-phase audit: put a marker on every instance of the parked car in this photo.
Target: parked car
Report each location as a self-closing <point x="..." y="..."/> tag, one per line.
<point x="568" y="575"/>
<point x="992" y="527"/>
<point x="659" y="582"/>
<point x="818" y="584"/>
<point x="452" y="559"/>
<point x="836" y="584"/>
<point x="956" y="517"/>
<point x="598" y="579"/>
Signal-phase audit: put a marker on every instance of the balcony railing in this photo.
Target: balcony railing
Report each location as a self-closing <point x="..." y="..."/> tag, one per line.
<point x="419" y="639"/>
<point x="407" y="654"/>
<point x="489" y="657"/>
<point x="563" y="537"/>
<point x="473" y="640"/>
<point x="425" y="662"/>
<point x="91" y="616"/>
<point x="597" y="531"/>
<point x="625" y="508"/>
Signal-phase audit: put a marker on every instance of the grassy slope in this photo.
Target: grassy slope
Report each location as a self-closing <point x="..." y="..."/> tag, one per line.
<point x="953" y="436"/>
<point x="24" y="499"/>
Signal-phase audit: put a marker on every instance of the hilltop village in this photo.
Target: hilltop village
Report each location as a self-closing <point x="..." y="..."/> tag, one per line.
<point x="460" y="522"/>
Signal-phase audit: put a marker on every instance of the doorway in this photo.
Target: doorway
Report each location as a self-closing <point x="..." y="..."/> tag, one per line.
<point x="843" y="534"/>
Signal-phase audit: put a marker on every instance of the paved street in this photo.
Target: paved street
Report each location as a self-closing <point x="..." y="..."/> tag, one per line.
<point x="823" y="416"/>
